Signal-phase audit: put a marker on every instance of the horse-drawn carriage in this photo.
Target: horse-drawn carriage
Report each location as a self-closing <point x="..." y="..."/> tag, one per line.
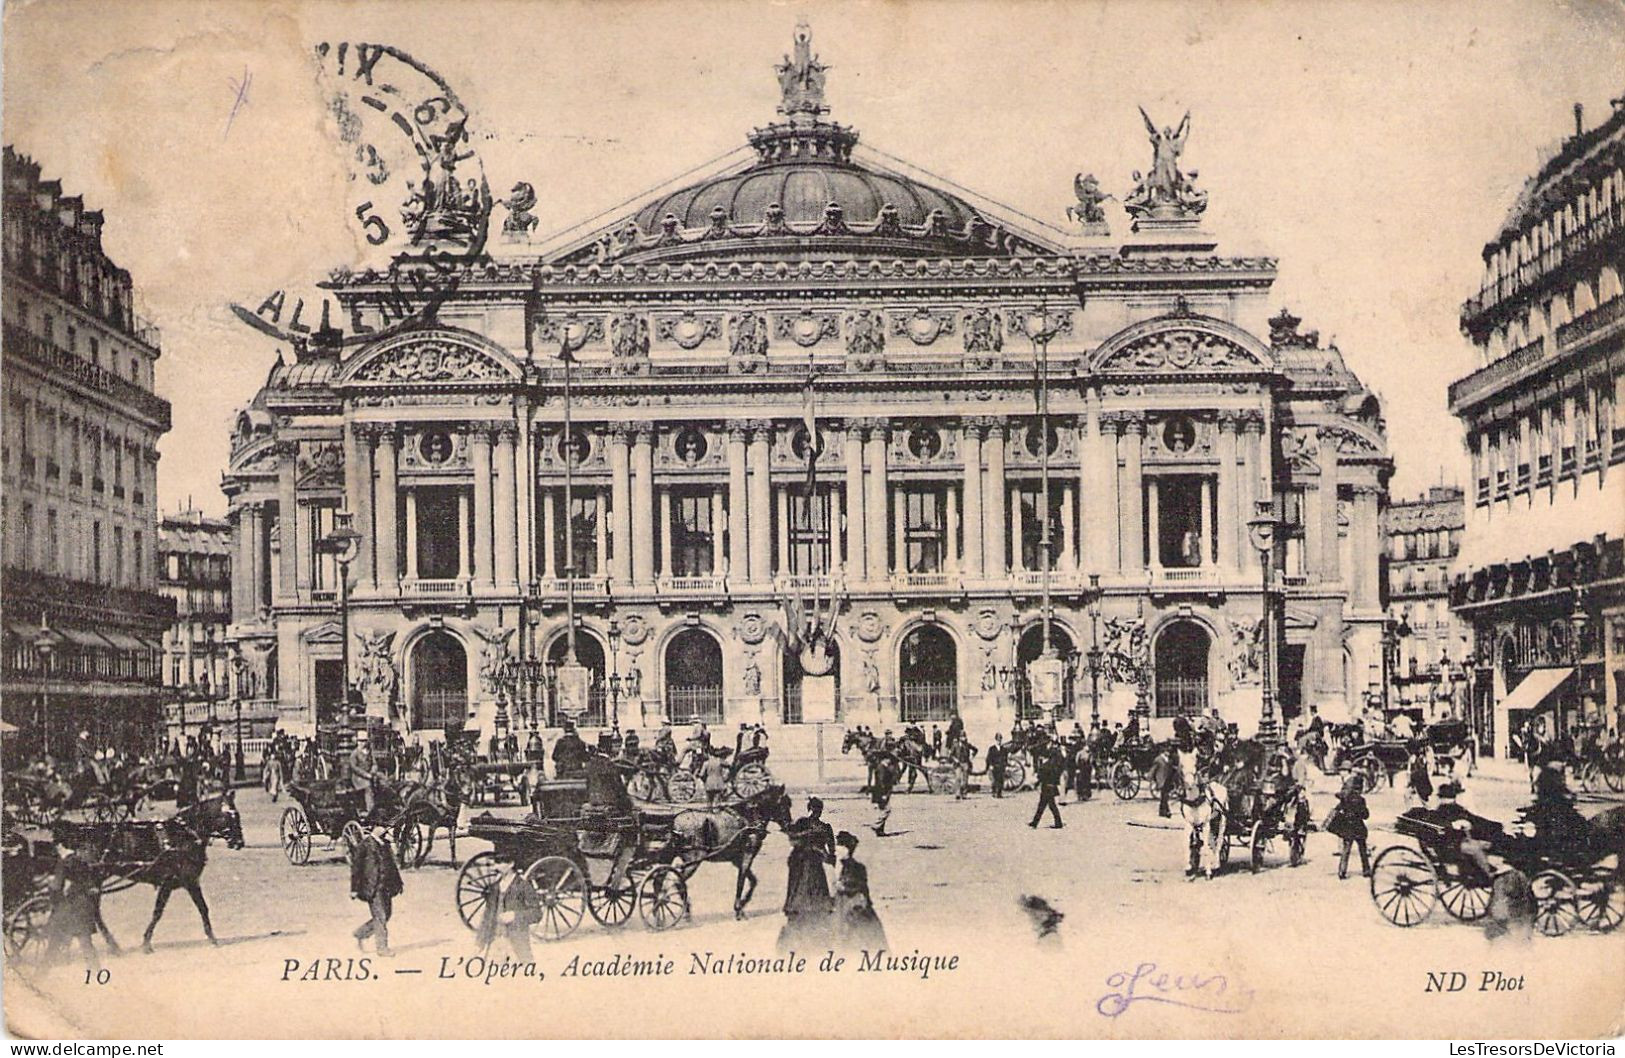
<point x="1375" y="759"/>
<point x="335" y="810"/>
<point x="1569" y="877"/>
<point x="913" y="762"/>
<point x="606" y="859"/>
<point x="1453" y="747"/>
<point x="658" y="778"/>
<point x="1134" y="764"/>
<point x="1261" y="812"/>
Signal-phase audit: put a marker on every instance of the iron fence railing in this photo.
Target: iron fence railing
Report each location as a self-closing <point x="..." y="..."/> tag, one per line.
<point x="929" y="701"/>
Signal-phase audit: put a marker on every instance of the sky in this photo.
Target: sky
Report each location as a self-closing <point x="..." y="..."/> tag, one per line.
<point x="1372" y="147"/>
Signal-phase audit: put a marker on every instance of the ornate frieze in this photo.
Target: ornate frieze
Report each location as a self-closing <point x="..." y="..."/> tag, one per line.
<point x="321" y="465"/>
<point x="431" y="361"/>
<point x="807" y="328"/>
<point x="922" y="326"/>
<point x="865" y="339"/>
<point x="1181" y="349"/>
<point x="689" y="330"/>
<point x="581" y="330"/>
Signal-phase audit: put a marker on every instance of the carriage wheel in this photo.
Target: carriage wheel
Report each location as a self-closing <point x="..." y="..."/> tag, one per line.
<point x="1259" y="839"/>
<point x="750" y="780"/>
<point x="561" y="889"/>
<point x="612" y="908"/>
<point x="1601" y="900"/>
<point x="1404" y="885"/>
<point x="295" y="831"/>
<point x="1614" y="775"/>
<point x="1015" y="774"/>
<point x="352" y="835"/>
<point x="1556" y="906"/>
<point x="411" y="844"/>
<point x="478" y="883"/>
<point x="26" y="927"/>
<point x="1587" y="776"/>
<point x="939" y="778"/>
<point x="1125" y="780"/>
<point x="663" y="898"/>
<point x="643" y="786"/>
<point x="683" y="786"/>
<point x="1464" y="898"/>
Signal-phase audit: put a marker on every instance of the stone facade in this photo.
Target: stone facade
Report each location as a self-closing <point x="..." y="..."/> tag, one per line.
<point x="82" y="618"/>
<point x="1541" y="576"/>
<point x="704" y="544"/>
<point x="1431" y="644"/>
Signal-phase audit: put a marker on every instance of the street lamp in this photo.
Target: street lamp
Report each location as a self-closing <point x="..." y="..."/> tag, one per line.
<point x="615" y="673"/>
<point x="1263" y="528"/>
<point x="572" y="681"/>
<point x="45" y="644"/>
<point x="1046" y="673"/>
<point x="1094" y="649"/>
<point x="1392" y="632"/>
<point x="343" y="542"/>
<point x="239" y="664"/>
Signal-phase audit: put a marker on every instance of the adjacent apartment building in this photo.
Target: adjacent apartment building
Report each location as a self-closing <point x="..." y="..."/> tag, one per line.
<point x="1542" y="564"/>
<point x="1429" y="644"/>
<point x="83" y="620"/>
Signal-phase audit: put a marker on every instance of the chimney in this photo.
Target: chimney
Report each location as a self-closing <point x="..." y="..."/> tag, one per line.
<point x="1579" y="118"/>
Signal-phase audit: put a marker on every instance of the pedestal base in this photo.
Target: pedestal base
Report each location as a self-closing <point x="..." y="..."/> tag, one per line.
<point x="818" y="699"/>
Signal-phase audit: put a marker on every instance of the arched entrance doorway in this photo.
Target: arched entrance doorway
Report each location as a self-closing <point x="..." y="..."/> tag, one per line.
<point x="693" y="677"/>
<point x="795" y="678"/>
<point x="1028" y="650"/>
<point x="589" y="653"/>
<point x="439" y="682"/>
<point x="928" y="675"/>
<point x="1181" y="656"/>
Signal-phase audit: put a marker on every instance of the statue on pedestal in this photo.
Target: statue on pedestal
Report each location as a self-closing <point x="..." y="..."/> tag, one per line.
<point x="1165" y="193"/>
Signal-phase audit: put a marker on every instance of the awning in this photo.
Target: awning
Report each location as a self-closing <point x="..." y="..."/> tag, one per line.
<point x="1536" y="687"/>
<point x="23" y="630"/>
<point x="84" y="637"/>
<point x="124" y="641"/>
<point x="147" y="644"/>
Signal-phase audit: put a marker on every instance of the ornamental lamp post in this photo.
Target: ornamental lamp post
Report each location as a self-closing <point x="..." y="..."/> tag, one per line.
<point x="45" y="644"/>
<point x="343" y="543"/>
<point x="572" y="681"/>
<point x="1094" y="649"/>
<point x="239" y="664"/>
<point x="1263" y="528"/>
<point x="1046" y="674"/>
<point x="615" y="673"/>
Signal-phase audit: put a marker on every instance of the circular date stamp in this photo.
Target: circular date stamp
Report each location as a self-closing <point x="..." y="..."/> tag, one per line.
<point x="418" y="202"/>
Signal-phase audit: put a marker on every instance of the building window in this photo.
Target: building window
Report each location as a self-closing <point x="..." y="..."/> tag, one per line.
<point x="118" y="554"/>
<point x="96" y="551"/>
<point x="440" y="533"/>
<point x="136" y="558"/>
<point x="583" y="527"/>
<point x="810" y="531"/>
<point x="925" y="537"/>
<point x="27" y="536"/>
<point x="96" y="352"/>
<point x="1031" y="498"/>
<point x="692" y="534"/>
<point x="52" y="548"/>
<point x="1180" y="520"/>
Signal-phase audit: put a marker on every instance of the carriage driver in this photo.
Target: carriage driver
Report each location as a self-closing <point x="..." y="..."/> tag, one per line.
<point x="361" y="770"/>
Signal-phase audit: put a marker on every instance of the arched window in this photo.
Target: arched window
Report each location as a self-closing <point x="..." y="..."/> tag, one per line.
<point x="589" y="653"/>
<point x="1181" y="670"/>
<point x="693" y="677"/>
<point x="1028" y="651"/>
<point x="928" y="675"/>
<point x="439" y="682"/>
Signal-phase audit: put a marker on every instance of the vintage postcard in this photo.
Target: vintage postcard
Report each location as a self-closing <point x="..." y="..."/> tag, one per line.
<point x="703" y="518"/>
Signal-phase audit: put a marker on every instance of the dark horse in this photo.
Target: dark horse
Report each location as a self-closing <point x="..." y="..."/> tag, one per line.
<point x="731" y="833"/>
<point x="168" y="854"/>
<point x="910" y="751"/>
<point x="430" y="806"/>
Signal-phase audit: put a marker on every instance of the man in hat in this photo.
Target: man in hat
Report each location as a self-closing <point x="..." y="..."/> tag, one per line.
<point x="376" y="882"/>
<point x="1462" y="823"/>
<point x="361" y="771"/>
<point x="996" y="756"/>
<point x="569" y="754"/>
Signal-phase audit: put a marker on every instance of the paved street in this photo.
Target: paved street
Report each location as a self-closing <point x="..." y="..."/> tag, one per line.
<point x="1116" y="872"/>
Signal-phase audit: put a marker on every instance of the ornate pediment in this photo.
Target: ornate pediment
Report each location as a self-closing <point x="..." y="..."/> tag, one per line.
<point x="1182" y="349"/>
<point x="438" y="356"/>
<point x="326" y="632"/>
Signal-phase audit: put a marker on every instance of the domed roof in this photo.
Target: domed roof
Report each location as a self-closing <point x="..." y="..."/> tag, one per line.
<point x="804" y="189"/>
<point x="803" y="193"/>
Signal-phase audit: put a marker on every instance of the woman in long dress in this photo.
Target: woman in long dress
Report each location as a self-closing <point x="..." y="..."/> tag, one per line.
<point x="807" y="902"/>
<point x="857" y="927"/>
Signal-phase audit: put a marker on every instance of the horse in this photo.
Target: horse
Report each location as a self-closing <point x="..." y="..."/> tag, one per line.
<point x="435" y="806"/>
<point x="730" y="833"/>
<point x="1223" y="783"/>
<point x="908" y="751"/>
<point x="168" y="855"/>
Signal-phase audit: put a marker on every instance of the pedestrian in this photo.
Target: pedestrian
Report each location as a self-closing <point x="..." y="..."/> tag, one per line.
<point x="880" y="791"/>
<point x="936" y="741"/>
<point x="1347" y="821"/>
<point x="962" y="753"/>
<point x="76" y="909"/>
<point x="807" y="901"/>
<point x="996" y="755"/>
<point x="361" y="772"/>
<point x="1419" y="784"/>
<point x="1083" y="771"/>
<point x="714" y="775"/>
<point x="271" y="768"/>
<point x="376" y="882"/>
<point x="1049" y="786"/>
<point x="510" y="915"/>
<point x="857" y="927"/>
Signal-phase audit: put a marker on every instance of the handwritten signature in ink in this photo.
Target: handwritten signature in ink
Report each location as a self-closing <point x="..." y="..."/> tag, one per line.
<point x="241" y="89"/>
<point x="1148" y="984"/>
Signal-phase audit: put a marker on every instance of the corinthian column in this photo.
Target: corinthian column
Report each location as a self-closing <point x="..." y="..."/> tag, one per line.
<point x="874" y="500"/>
<point x="482" y="570"/>
<point x="1330" y="545"/>
<point x="738" y="541"/>
<point x="1129" y="495"/>
<point x="385" y="516"/>
<point x="361" y="502"/>
<point x="971" y="446"/>
<point x="1230" y="543"/>
<point x="993" y="502"/>
<point x="856" y="548"/>
<point x="287" y="503"/>
<point x="643" y="506"/>
<point x="620" y="502"/>
<point x="503" y="507"/>
<point x="761" y="503"/>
